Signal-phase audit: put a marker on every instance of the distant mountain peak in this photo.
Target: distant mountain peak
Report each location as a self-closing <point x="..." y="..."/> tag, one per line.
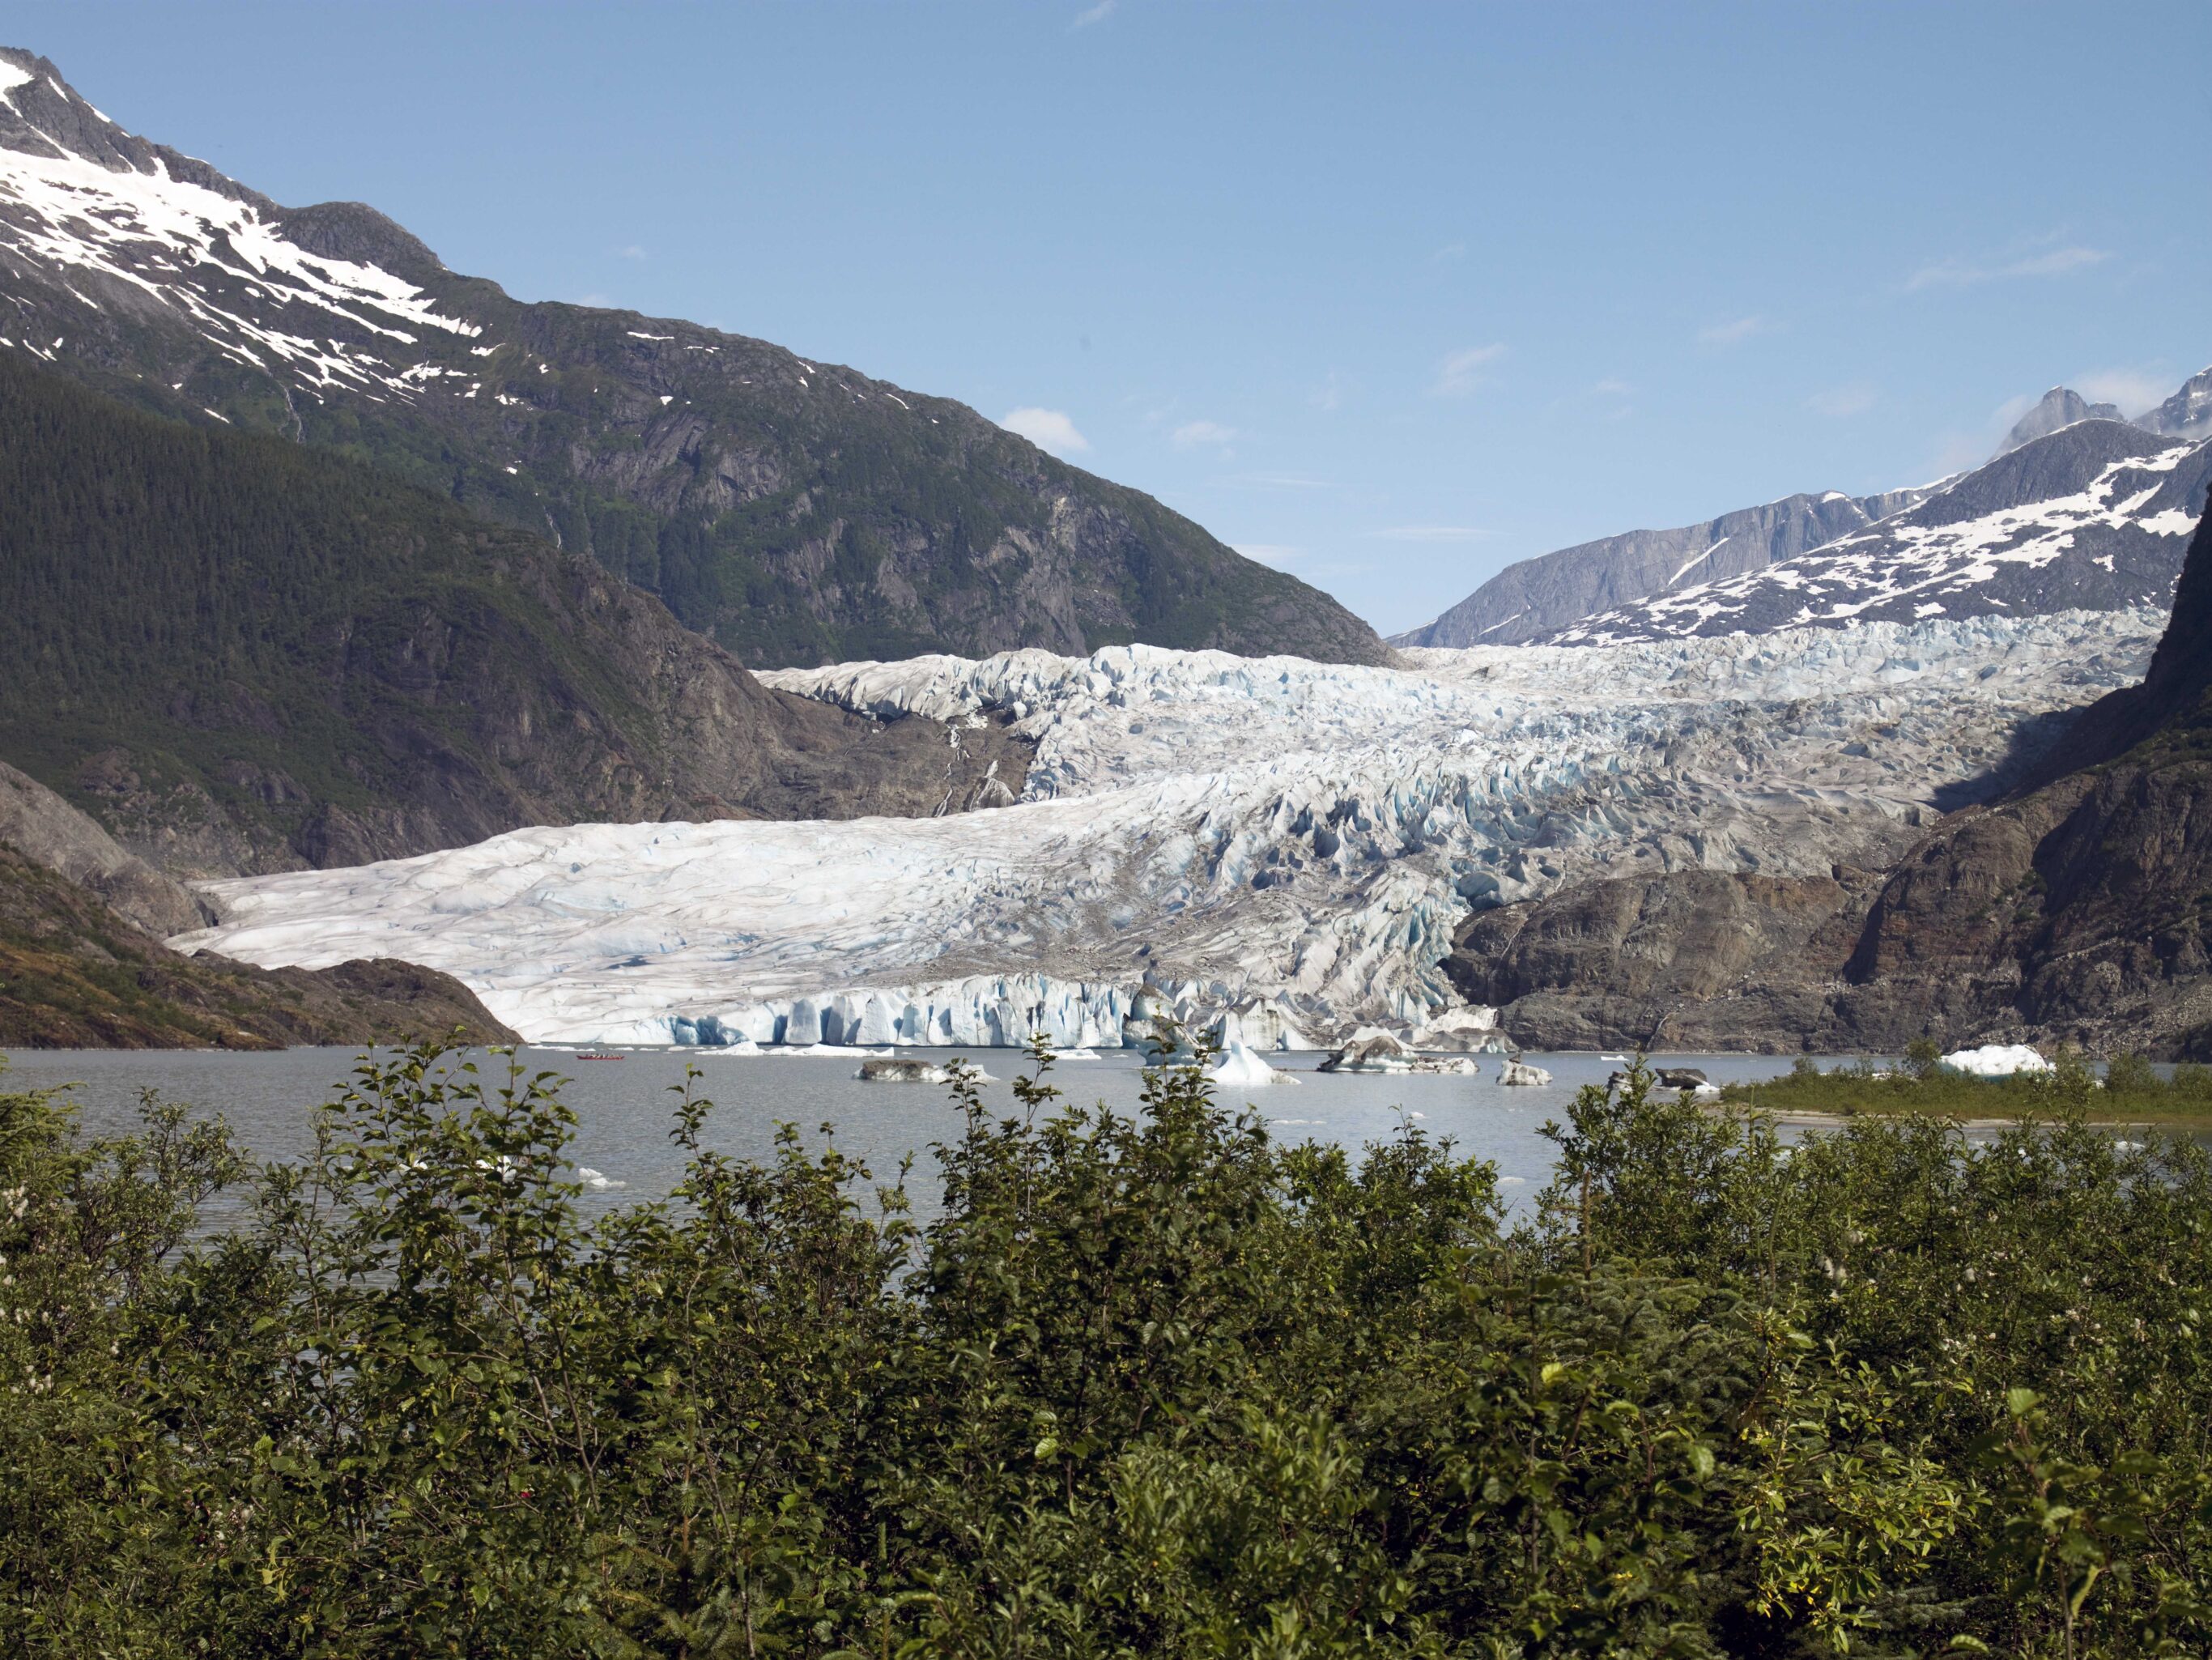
<point x="2060" y="407"/>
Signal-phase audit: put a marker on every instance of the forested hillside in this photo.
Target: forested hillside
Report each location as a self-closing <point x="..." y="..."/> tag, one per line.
<point x="244" y="654"/>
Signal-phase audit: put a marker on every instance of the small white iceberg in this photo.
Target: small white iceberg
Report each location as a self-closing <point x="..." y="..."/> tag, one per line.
<point x="1996" y="1060"/>
<point x="1242" y="1067"/>
<point x="1518" y="1073"/>
<point x="591" y="1178"/>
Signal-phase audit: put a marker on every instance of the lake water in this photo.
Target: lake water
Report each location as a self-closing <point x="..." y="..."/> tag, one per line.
<point x="624" y="1108"/>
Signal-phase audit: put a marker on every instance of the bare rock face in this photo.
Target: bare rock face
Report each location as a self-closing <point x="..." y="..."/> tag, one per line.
<point x="50" y="832"/>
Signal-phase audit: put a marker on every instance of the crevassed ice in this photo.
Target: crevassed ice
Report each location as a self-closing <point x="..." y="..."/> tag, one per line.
<point x="1202" y="834"/>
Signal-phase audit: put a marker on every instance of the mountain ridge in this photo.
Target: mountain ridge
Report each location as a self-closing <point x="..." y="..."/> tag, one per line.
<point x="794" y="512"/>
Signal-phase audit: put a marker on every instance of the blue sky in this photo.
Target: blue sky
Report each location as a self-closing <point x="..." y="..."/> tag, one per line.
<point x="1388" y="296"/>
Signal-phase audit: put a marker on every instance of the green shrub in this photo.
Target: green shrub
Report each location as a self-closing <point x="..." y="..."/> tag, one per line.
<point x="1148" y="1386"/>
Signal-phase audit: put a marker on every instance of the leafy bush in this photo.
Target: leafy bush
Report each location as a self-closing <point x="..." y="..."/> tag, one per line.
<point x="1149" y="1386"/>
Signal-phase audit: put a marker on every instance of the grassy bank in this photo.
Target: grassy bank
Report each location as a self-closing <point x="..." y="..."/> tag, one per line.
<point x="2127" y="1089"/>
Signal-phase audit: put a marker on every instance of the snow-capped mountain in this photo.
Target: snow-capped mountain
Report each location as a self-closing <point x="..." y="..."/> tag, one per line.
<point x="2097" y="515"/>
<point x="1292" y="840"/>
<point x="1562" y="596"/>
<point x="794" y="511"/>
<point x="1527" y="600"/>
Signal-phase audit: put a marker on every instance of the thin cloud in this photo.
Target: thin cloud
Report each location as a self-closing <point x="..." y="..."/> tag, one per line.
<point x="2133" y="390"/>
<point x="1459" y="373"/>
<point x="1329" y="394"/>
<point x="1271" y="553"/>
<point x="1049" y="430"/>
<point x="1967" y="273"/>
<point x="1841" y="403"/>
<point x="1735" y="330"/>
<point x="631" y="251"/>
<point x="1430" y="533"/>
<point x="1193" y="434"/>
<point x="1284" y="481"/>
<point x="1097" y="13"/>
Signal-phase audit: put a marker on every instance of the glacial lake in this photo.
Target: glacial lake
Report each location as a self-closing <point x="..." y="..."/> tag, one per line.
<point x="623" y="1107"/>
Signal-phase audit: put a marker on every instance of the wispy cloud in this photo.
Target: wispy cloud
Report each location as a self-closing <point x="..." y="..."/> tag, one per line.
<point x="2134" y="390"/>
<point x="1097" y="13"/>
<point x="631" y="251"/>
<point x="1303" y="561"/>
<point x="1970" y="273"/>
<point x="1283" y="481"/>
<point x="1459" y="373"/>
<point x="1429" y="533"/>
<point x="1735" y="330"/>
<point x="1843" y="402"/>
<point x="1193" y="434"/>
<point x="1450" y="253"/>
<point x="1049" y="430"/>
<point x="1329" y="394"/>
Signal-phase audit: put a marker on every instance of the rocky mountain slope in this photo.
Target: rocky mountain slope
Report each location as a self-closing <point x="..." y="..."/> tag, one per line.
<point x="2078" y="910"/>
<point x="1642" y="585"/>
<point x="74" y="974"/>
<point x="242" y="654"/>
<point x="794" y="512"/>
<point x="2187" y="414"/>
<point x="1288" y="842"/>
<point x="2094" y="516"/>
<point x="2060" y="407"/>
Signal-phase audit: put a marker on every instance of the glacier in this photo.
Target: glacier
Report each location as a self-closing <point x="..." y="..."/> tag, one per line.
<point x="1273" y="849"/>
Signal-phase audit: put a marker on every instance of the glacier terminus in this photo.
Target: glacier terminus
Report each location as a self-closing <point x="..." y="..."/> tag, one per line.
<point x="1276" y="847"/>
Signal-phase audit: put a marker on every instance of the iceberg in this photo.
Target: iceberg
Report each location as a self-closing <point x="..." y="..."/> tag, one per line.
<point x="1241" y="1068"/>
<point x="1996" y="1060"/>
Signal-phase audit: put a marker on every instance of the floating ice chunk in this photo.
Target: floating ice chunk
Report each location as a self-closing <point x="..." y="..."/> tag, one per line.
<point x="1241" y="1068"/>
<point x="1996" y="1060"/>
<point x="1517" y="1072"/>
<point x="591" y="1178"/>
<point x="897" y="1071"/>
